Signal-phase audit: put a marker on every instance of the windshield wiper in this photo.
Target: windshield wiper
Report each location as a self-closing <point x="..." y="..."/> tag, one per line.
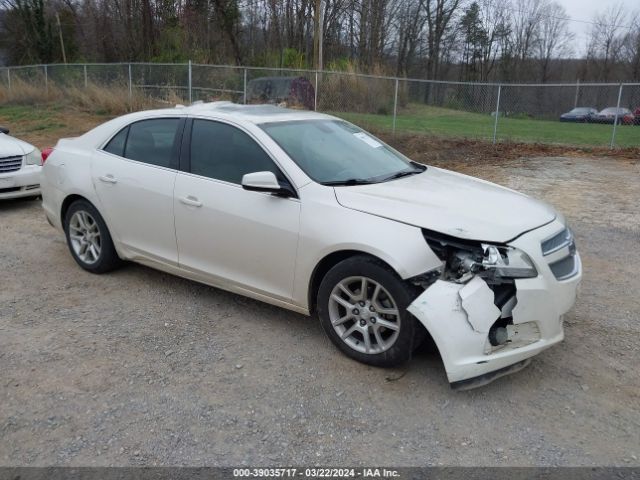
<point x="349" y="182"/>
<point x="403" y="173"/>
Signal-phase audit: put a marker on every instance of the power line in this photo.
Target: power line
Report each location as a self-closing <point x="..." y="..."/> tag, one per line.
<point x="568" y="19"/>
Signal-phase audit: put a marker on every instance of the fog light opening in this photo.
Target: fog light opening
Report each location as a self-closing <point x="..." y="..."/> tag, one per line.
<point x="498" y="333"/>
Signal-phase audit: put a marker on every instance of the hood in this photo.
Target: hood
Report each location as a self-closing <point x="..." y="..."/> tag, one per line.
<point x="12" y="147"/>
<point x="450" y="203"/>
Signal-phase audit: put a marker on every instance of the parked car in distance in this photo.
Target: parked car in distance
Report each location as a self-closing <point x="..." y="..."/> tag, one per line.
<point x="636" y="114"/>
<point x="579" y="114"/>
<point x="20" y="165"/>
<point x="608" y="115"/>
<point x="292" y="91"/>
<point x="311" y="213"/>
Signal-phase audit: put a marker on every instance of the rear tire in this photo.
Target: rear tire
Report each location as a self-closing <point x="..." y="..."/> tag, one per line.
<point x="88" y="238"/>
<point x="375" y="327"/>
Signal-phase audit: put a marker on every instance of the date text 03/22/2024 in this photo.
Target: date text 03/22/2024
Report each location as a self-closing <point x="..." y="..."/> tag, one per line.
<point x="316" y="472"/>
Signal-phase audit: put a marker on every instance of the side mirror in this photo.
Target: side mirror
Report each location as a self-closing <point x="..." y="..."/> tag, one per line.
<point x="266" y="182"/>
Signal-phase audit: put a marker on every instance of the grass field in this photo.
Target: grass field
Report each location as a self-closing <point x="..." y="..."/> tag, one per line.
<point x="442" y="122"/>
<point x="43" y="124"/>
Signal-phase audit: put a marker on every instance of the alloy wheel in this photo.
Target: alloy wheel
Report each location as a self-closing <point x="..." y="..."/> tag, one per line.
<point x="364" y="315"/>
<point x="84" y="235"/>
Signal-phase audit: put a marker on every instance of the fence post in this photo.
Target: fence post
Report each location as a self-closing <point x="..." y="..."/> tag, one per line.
<point x="244" y="88"/>
<point x="395" y="107"/>
<point x="86" y="81"/>
<point x="190" y="93"/>
<point x="315" y="94"/>
<point x="615" y="119"/>
<point x="9" y="77"/>
<point x="130" y="85"/>
<point x="46" y="79"/>
<point x="495" y="123"/>
<point x="575" y="102"/>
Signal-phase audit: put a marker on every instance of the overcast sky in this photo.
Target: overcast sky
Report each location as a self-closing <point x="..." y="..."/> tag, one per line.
<point x="585" y="10"/>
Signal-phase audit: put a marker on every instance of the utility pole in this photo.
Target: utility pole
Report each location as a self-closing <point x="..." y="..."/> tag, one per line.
<point x="321" y="38"/>
<point x="317" y="36"/>
<point x="64" y="55"/>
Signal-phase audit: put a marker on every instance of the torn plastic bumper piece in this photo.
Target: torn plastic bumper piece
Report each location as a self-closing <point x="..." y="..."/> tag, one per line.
<point x="459" y="317"/>
<point x="486" y="378"/>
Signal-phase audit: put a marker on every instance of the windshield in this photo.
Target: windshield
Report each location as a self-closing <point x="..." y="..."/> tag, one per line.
<point x="580" y="110"/>
<point x="334" y="152"/>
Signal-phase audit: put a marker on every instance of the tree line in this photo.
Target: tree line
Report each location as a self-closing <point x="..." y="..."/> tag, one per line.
<point x="467" y="40"/>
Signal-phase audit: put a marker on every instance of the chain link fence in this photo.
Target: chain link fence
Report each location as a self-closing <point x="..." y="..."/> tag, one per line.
<point x="579" y="114"/>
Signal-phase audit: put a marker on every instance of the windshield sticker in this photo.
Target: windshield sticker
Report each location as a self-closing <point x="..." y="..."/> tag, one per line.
<point x="367" y="139"/>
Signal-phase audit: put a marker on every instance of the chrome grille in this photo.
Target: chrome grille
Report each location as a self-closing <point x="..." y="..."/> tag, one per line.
<point x="565" y="268"/>
<point x="561" y="249"/>
<point x="10" y="164"/>
<point x="557" y="242"/>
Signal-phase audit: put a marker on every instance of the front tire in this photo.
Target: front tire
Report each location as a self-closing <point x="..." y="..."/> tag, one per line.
<point x="362" y="305"/>
<point x="88" y="238"/>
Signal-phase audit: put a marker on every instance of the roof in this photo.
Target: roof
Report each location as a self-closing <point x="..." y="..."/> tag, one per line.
<point x="254" y="113"/>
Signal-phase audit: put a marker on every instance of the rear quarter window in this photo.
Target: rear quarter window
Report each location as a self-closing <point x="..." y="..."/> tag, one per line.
<point x="116" y="144"/>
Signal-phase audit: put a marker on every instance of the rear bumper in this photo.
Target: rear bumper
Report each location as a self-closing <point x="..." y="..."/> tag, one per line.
<point x="462" y="340"/>
<point x="21" y="183"/>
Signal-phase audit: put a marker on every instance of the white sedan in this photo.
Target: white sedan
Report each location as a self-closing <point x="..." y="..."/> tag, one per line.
<point x="311" y="213"/>
<point x="19" y="168"/>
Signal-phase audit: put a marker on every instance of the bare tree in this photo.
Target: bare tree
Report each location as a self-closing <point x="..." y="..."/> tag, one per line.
<point x="630" y="49"/>
<point x="409" y="24"/>
<point x="527" y="16"/>
<point x="554" y="38"/>
<point x="605" y="40"/>
<point x="440" y="19"/>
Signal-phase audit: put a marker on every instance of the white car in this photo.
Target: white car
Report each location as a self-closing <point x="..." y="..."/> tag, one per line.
<point x="311" y="213"/>
<point x="19" y="168"/>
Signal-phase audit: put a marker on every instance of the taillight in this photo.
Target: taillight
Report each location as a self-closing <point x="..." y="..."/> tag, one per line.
<point x="45" y="153"/>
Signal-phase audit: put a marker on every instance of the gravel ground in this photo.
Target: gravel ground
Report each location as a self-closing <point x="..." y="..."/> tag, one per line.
<point x="138" y="367"/>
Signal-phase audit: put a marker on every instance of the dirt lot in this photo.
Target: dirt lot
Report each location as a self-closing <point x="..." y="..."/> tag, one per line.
<point x="141" y="368"/>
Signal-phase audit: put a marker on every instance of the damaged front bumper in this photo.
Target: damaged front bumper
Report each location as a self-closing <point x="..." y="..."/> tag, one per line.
<point x="460" y="316"/>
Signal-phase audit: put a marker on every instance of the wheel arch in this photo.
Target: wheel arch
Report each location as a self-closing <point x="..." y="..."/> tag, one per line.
<point x="73" y="197"/>
<point x="66" y="203"/>
<point x="327" y="263"/>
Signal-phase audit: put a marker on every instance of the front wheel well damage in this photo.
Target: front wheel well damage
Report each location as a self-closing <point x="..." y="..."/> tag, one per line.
<point x="332" y="259"/>
<point x="326" y="264"/>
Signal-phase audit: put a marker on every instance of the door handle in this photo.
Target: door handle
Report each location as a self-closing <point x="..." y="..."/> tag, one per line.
<point x="191" y="201"/>
<point x="108" y="179"/>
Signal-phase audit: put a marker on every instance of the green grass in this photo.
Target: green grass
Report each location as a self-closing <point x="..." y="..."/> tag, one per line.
<point x="22" y="113"/>
<point x="417" y="119"/>
<point x="444" y="122"/>
<point x="29" y="118"/>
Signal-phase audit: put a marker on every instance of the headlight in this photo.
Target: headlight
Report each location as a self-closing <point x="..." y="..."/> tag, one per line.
<point x="34" y="157"/>
<point x="508" y="262"/>
<point x="465" y="258"/>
